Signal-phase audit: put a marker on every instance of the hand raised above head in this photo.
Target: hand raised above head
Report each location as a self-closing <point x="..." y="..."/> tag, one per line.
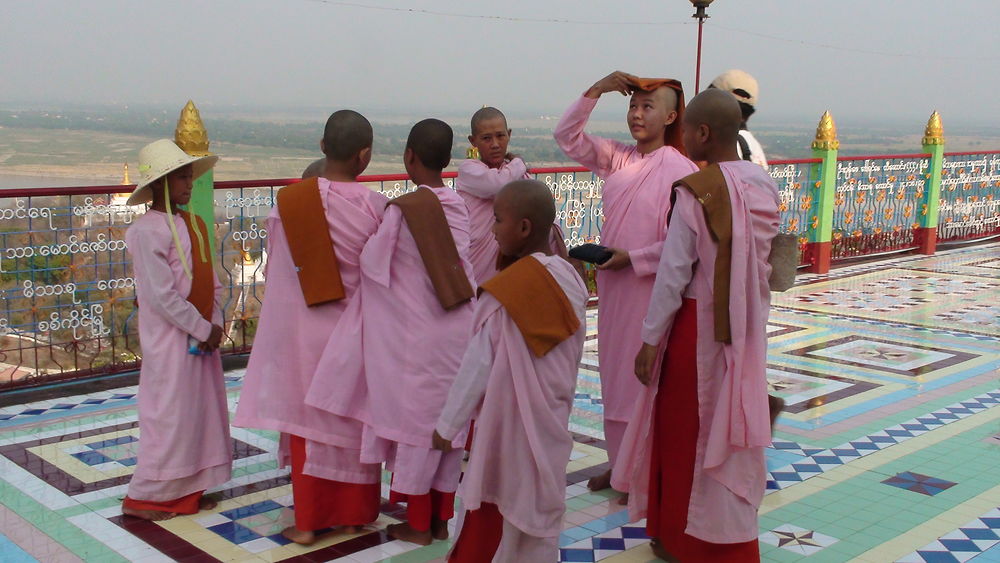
<point x="617" y="81"/>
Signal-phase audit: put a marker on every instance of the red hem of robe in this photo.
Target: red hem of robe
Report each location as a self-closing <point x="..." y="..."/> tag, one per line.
<point x="468" y="441"/>
<point x="187" y="504"/>
<point x="675" y="441"/>
<point x="324" y="503"/>
<point x="420" y="509"/>
<point x="480" y="535"/>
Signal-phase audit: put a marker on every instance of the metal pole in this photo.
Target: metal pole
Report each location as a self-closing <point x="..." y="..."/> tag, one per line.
<point x="700" y="7"/>
<point x="697" y="71"/>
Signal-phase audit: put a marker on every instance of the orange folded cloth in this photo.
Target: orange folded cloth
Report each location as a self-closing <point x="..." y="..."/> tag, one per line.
<point x="304" y="222"/>
<point x="536" y="303"/>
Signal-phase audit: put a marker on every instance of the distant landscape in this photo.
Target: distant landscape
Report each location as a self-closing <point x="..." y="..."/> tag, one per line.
<point x="89" y="145"/>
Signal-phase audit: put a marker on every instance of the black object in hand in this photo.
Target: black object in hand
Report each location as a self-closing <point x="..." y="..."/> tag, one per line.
<point x="593" y="253"/>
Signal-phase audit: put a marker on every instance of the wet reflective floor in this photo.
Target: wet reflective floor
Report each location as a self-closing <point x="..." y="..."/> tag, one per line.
<point x="889" y="448"/>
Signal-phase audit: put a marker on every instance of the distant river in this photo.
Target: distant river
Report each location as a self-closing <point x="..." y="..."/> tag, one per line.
<point x="17" y="181"/>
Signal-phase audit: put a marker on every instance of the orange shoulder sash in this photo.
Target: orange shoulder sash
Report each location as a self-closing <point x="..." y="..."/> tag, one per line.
<point x="304" y="222"/>
<point x="536" y="303"/>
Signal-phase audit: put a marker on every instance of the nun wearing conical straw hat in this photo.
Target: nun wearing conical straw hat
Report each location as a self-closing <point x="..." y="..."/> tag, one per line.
<point x="184" y="445"/>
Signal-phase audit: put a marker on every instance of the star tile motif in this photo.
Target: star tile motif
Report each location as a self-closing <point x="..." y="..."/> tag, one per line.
<point x="797" y="540"/>
<point x="919" y="483"/>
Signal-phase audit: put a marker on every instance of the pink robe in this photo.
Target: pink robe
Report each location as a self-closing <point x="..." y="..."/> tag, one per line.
<point x="636" y="201"/>
<point x="521" y="444"/>
<point x="411" y="351"/>
<point x="478" y="184"/>
<point x="291" y="337"/>
<point x="184" y="444"/>
<point x="730" y="472"/>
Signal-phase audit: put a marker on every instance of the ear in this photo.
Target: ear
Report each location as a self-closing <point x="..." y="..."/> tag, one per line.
<point x="364" y="157"/>
<point x="472" y="139"/>
<point x="322" y="146"/>
<point x="408" y="156"/>
<point x="508" y="133"/>
<point x="704" y="133"/>
<point x="525" y="226"/>
<point x="671" y="117"/>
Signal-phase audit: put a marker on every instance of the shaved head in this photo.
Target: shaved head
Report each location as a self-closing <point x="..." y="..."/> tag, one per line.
<point x="314" y="169"/>
<point x="431" y="140"/>
<point x="484" y="114"/>
<point x="718" y="110"/>
<point x="664" y="94"/>
<point x="532" y="200"/>
<point x="347" y="132"/>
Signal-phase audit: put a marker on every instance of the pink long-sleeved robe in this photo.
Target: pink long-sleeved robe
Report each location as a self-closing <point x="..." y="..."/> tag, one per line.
<point x="411" y="349"/>
<point x="184" y="444"/>
<point x="478" y="184"/>
<point x="730" y="472"/>
<point x="636" y="201"/>
<point x="291" y="337"/>
<point x="521" y="445"/>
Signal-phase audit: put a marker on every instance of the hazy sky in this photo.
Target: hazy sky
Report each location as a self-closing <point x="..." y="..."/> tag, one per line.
<point x="331" y="54"/>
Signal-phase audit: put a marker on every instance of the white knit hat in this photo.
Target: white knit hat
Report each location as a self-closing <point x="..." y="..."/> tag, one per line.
<point x="159" y="158"/>
<point x="736" y="79"/>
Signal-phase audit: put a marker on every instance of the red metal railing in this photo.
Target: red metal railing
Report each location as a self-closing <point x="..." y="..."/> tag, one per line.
<point x="66" y="292"/>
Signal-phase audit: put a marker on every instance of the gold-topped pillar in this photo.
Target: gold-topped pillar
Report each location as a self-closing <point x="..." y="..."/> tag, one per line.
<point x="819" y="250"/>
<point x="926" y="234"/>
<point x="191" y="136"/>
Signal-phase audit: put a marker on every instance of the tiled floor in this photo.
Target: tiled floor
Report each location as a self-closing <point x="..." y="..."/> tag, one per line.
<point x="889" y="449"/>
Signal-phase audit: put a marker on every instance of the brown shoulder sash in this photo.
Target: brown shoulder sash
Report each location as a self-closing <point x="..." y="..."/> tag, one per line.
<point x="202" y="294"/>
<point x="301" y="210"/>
<point x="710" y="188"/>
<point x="425" y="218"/>
<point x="536" y="303"/>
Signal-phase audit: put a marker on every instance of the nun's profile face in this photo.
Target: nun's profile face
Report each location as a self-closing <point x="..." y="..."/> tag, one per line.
<point x="179" y="185"/>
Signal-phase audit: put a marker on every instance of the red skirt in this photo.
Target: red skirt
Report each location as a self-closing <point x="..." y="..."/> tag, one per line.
<point x="322" y="503"/>
<point x="675" y="440"/>
<point x="480" y="535"/>
<point x="187" y="504"/>
<point x="422" y="509"/>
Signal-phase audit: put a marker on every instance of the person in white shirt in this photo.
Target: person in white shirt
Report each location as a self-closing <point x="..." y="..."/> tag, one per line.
<point x="744" y="88"/>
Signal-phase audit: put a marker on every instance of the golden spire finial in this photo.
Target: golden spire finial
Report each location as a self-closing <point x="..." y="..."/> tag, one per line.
<point x="826" y="133"/>
<point x="190" y="134"/>
<point x="934" y="133"/>
<point x="125" y="179"/>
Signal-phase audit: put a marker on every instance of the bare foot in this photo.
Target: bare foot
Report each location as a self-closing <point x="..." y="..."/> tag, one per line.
<point x="623" y="500"/>
<point x="154" y="515"/>
<point x="404" y="532"/>
<point x="298" y="536"/>
<point x="662" y="553"/>
<point x="601" y="482"/>
<point x="207" y="503"/>
<point x="439" y="529"/>
<point x="349" y="530"/>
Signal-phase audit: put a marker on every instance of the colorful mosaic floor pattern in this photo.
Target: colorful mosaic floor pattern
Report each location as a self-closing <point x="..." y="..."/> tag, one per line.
<point x="888" y="450"/>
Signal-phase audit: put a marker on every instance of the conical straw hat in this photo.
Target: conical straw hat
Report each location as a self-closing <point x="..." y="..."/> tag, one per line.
<point x="159" y="158"/>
